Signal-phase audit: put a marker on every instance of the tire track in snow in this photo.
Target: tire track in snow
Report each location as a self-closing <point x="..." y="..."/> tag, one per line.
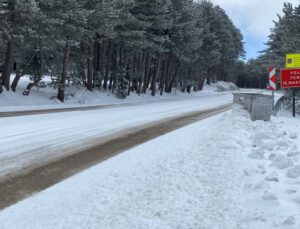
<point x="43" y="176"/>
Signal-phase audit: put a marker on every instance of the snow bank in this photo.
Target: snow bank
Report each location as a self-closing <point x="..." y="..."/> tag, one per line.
<point x="45" y="98"/>
<point x="271" y="174"/>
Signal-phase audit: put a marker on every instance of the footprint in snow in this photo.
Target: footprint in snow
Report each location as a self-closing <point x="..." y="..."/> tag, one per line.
<point x="293" y="172"/>
<point x="260" y="169"/>
<point x="259" y="155"/>
<point x="270" y="198"/>
<point x="293" y="152"/>
<point x="291" y="191"/>
<point x="272" y="177"/>
<point x="260" y="185"/>
<point x="293" y="136"/>
<point x="296" y="199"/>
<point x="281" y="162"/>
<point x="289" y="221"/>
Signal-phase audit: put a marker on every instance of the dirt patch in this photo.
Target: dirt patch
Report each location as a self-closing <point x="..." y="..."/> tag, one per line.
<point x="41" y="177"/>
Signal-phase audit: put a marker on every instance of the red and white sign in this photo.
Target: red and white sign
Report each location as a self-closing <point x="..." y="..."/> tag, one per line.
<point x="272" y="79"/>
<point x="290" y="78"/>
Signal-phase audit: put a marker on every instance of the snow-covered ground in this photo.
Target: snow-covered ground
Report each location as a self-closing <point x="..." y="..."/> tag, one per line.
<point x="45" y="98"/>
<point x="271" y="181"/>
<point x="27" y="140"/>
<point x="224" y="172"/>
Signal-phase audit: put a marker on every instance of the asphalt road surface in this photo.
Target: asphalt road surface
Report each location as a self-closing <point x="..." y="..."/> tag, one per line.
<point x="43" y="176"/>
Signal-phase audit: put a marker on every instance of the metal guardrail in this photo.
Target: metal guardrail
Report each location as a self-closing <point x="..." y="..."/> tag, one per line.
<point x="278" y="106"/>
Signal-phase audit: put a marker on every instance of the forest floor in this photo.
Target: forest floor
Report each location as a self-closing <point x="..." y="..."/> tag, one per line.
<point x="219" y="173"/>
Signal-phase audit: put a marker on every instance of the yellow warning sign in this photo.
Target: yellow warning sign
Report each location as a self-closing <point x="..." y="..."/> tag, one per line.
<point x="292" y="60"/>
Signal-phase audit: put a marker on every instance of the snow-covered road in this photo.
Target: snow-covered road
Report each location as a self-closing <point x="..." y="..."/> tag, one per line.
<point x="181" y="180"/>
<point x="223" y="172"/>
<point x="25" y="141"/>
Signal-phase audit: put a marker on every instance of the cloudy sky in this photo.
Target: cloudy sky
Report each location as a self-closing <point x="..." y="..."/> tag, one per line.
<point x="254" y="18"/>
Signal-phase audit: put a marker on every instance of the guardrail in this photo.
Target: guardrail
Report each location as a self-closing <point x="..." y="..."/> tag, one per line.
<point x="260" y="106"/>
<point x="279" y="104"/>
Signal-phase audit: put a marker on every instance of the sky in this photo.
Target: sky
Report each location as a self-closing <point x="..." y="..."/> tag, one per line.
<point x="254" y="18"/>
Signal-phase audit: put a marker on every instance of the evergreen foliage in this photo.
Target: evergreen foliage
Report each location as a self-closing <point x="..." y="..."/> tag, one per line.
<point x="100" y="44"/>
<point x="284" y="38"/>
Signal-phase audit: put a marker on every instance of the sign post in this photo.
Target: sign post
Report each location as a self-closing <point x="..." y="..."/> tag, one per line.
<point x="272" y="79"/>
<point x="294" y="102"/>
<point x="290" y="78"/>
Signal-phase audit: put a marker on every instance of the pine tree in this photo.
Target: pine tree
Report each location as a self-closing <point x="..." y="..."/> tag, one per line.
<point x="101" y="43"/>
<point x="16" y="20"/>
<point x="101" y="23"/>
<point x="158" y="14"/>
<point x="285" y="36"/>
<point x="67" y="20"/>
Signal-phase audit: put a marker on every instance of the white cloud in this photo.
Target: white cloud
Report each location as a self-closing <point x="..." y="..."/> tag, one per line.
<point x="253" y="17"/>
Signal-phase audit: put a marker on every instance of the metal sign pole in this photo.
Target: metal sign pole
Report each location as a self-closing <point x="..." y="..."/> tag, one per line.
<point x="294" y="102"/>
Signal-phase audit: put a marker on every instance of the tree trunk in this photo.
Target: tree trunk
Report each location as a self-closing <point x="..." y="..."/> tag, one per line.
<point x="172" y="81"/>
<point x="113" y="67"/>
<point x="31" y="85"/>
<point x="167" y="75"/>
<point x="201" y="84"/>
<point x="37" y="79"/>
<point x="102" y="58"/>
<point x="97" y="57"/>
<point x="8" y="64"/>
<point x="134" y="73"/>
<point x="163" y="75"/>
<point x="128" y="75"/>
<point x="16" y="80"/>
<point x="156" y="75"/>
<point x="107" y="65"/>
<point x="146" y="73"/>
<point x="141" y="73"/>
<point x="90" y="67"/>
<point x="62" y="83"/>
<point x="208" y="81"/>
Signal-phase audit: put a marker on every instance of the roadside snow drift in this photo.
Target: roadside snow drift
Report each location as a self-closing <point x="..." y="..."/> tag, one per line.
<point x="271" y="181"/>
